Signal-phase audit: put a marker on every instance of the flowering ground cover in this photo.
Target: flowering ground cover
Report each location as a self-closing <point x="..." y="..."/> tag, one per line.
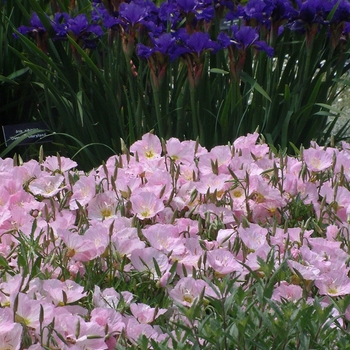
<point x="170" y="245"/>
<point x="96" y="71"/>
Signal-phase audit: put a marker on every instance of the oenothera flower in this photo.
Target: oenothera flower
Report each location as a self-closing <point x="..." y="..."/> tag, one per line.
<point x="103" y="206"/>
<point x="149" y="147"/>
<point x="179" y="152"/>
<point x="78" y="333"/>
<point x="253" y="236"/>
<point x="165" y="238"/>
<point x="144" y="313"/>
<point x="135" y="330"/>
<point x="333" y="283"/>
<point x="317" y="159"/>
<point x="146" y="205"/>
<point x="188" y="290"/>
<point x="10" y="332"/>
<point x="47" y="185"/>
<point x="83" y="192"/>
<point x="223" y="262"/>
<point x="110" y="298"/>
<point x="62" y="293"/>
<point x="62" y="164"/>
<point x="145" y="260"/>
<point x="285" y="291"/>
<point x="28" y="313"/>
<point x="108" y="318"/>
<point x="77" y="247"/>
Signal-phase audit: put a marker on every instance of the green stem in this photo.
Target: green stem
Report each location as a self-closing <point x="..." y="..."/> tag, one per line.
<point x="158" y="110"/>
<point x="194" y="114"/>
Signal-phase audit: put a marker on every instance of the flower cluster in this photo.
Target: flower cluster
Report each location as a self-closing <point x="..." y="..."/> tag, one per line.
<point x="177" y="28"/>
<point x="175" y="216"/>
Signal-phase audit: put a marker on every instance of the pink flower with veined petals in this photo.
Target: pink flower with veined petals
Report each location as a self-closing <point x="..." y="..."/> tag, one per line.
<point x="178" y="152"/>
<point x="287" y="291"/>
<point x="28" y="311"/>
<point x="144" y="259"/>
<point x="317" y="159"/>
<point x="10" y="332"/>
<point x="308" y="272"/>
<point x="77" y="247"/>
<point x="223" y="262"/>
<point x="72" y="291"/>
<point x="334" y="283"/>
<point x="62" y="164"/>
<point x="147" y="148"/>
<point x="165" y="238"/>
<point x="146" y="205"/>
<point x="110" y="317"/>
<point x="253" y="236"/>
<point x="144" y="313"/>
<point x="83" y="192"/>
<point x="110" y="298"/>
<point x="220" y="156"/>
<point x="47" y="186"/>
<point x="103" y="206"/>
<point x="134" y="330"/>
<point x="188" y="289"/>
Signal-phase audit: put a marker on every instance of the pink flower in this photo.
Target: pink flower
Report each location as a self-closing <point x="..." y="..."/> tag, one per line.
<point x="77" y="247"/>
<point x="134" y="330"/>
<point x="110" y="298"/>
<point x="103" y="206"/>
<point x="146" y="205"/>
<point x="253" y="236"/>
<point x="308" y="272"/>
<point x="179" y="152"/>
<point x="219" y="157"/>
<point x="333" y="283"/>
<point x="144" y="313"/>
<point x="28" y="311"/>
<point x="211" y="183"/>
<point x="62" y="293"/>
<point x="62" y="164"/>
<point x="145" y="259"/>
<point x="289" y="292"/>
<point x="108" y="317"/>
<point x="165" y="238"/>
<point x="188" y="289"/>
<point x="223" y="262"/>
<point x="10" y="334"/>
<point x="47" y="186"/>
<point x="147" y="148"/>
<point x="317" y="159"/>
<point x="83" y="192"/>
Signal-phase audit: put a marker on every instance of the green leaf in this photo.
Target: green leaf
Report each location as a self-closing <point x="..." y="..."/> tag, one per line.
<point x="218" y="71"/>
<point x="254" y="84"/>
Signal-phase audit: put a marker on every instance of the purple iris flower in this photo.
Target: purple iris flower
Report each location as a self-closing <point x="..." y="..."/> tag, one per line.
<point x="60" y="25"/>
<point x="36" y="26"/>
<point x="195" y="43"/>
<point x="201" y="9"/>
<point x="194" y="10"/>
<point x="342" y="12"/>
<point x="132" y="13"/>
<point x="244" y="37"/>
<point x="100" y="14"/>
<point x="313" y="11"/>
<point x="88" y="33"/>
<point x="162" y="44"/>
